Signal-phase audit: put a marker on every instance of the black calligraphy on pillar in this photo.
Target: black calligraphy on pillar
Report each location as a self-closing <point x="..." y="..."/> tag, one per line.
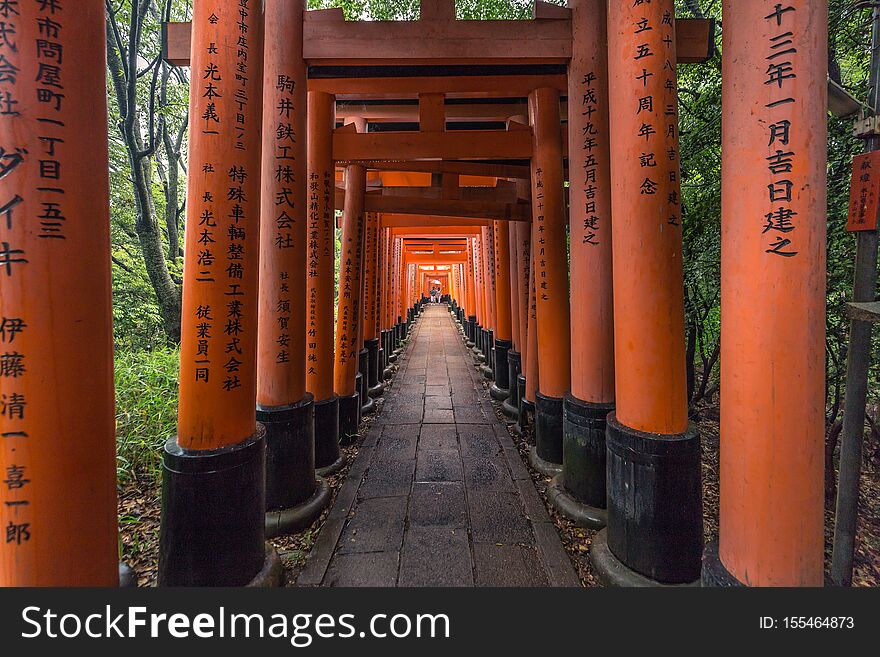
<point x="779" y="223"/>
<point x="541" y="283"/>
<point x="37" y="62"/>
<point x="285" y="202"/>
<point x="589" y="164"/>
<point x="657" y="116"/>
<point x="312" y="261"/>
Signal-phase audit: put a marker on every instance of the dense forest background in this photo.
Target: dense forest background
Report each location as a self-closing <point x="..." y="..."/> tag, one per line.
<point x="148" y="153"/>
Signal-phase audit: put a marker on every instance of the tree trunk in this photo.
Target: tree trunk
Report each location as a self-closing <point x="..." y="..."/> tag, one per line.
<point x="168" y="293"/>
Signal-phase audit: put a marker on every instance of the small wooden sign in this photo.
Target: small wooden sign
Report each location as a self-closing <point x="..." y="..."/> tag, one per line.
<point x="864" y="192"/>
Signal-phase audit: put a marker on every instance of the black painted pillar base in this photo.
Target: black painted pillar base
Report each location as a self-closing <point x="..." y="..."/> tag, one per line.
<point x="612" y="572"/>
<point x="490" y="352"/>
<point x="213" y="514"/>
<point x="472" y="330"/>
<point x="487" y="369"/>
<point x="523" y="426"/>
<point x="374" y="388"/>
<point x="582" y="515"/>
<point x="368" y="404"/>
<point x="500" y="390"/>
<point x="510" y="406"/>
<point x="383" y="365"/>
<point x="294" y="497"/>
<point x="548" y="428"/>
<point x="655" y="514"/>
<point x="328" y="459"/>
<point x="546" y="468"/>
<point x="349" y="418"/>
<point x="714" y="573"/>
<point x="580" y="492"/>
<point x="364" y="373"/>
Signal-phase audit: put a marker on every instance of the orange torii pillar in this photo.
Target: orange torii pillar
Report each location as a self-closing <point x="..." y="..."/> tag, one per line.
<point x="294" y="497"/>
<point x="514" y="366"/>
<point x="371" y="304"/>
<point x="391" y="338"/>
<point x="579" y="491"/>
<point x="399" y="295"/>
<point x="549" y="240"/>
<point x="57" y="433"/>
<point x="488" y="368"/>
<point x="523" y="233"/>
<point x="471" y="305"/>
<point x="350" y="310"/>
<point x="655" y="520"/>
<point x="382" y="301"/>
<point x="480" y="273"/>
<point x="503" y="330"/>
<point x="527" y="405"/>
<point x="214" y="484"/>
<point x="773" y="296"/>
<point x="321" y="281"/>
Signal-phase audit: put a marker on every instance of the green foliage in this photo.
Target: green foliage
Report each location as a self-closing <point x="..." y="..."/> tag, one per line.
<point x="146" y="410"/>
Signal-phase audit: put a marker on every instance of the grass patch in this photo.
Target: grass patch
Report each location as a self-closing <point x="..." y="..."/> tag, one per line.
<point x="146" y="411"/>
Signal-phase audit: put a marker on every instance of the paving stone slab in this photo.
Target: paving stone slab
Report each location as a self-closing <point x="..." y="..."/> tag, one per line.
<point x="438" y="436"/>
<point x="498" y="517"/>
<point x="436" y="556"/>
<point x="438" y="416"/>
<point x="508" y="565"/>
<point x="387" y="478"/>
<point x="397" y="443"/>
<point x="478" y="440"/>
<point x="468" y="414"/>
<point x="487" y="473"/>
<point x="439" y="465"/>
<point x="363" y="570"/>
<point x="438" y="504"/>
<point x="375" y="526"/>
<point x="556" y="562"/>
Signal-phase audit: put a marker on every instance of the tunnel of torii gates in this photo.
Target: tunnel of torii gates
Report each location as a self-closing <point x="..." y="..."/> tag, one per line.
<point x="447" y="146"/>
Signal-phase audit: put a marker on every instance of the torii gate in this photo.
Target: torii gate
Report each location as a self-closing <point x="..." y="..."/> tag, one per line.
<point x="604" y="358"/>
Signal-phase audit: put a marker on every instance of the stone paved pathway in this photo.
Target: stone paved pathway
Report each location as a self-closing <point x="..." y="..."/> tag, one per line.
<point x="438" y="494"/>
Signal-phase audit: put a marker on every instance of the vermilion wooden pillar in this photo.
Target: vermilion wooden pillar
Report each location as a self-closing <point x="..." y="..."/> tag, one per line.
<point x="488" y="369"/>
<point x="293" y="495"/>
<point x="349" y="315"/>
<point x="579" y="492"/>
<point x="772" y="295"/>
<point x="321" y="280"/>
<point x="470" y="282"/>
<point x="371" y="306"/>
<point x="523" y="285"/>
<point x="533" y="367"/>
<point x="503" y="330"/>
<point x="216" y="464"/>
<point x="57" y="443"/>
<point x="482" y="310"/>
<point x="549" y="241"/>
<point x="654" y="512"/>
<point x="510" y="405"/>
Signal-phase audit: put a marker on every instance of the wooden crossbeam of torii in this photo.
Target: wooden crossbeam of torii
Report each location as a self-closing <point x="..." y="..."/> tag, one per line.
<point x="350" y="146"/>
<point x="437" y="38"/>
<point x="414" y="205"/>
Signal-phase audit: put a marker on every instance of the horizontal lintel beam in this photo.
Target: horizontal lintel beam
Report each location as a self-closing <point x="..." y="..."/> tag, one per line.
<point x="465" y="145"/>
<point x="327" y="40"/>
